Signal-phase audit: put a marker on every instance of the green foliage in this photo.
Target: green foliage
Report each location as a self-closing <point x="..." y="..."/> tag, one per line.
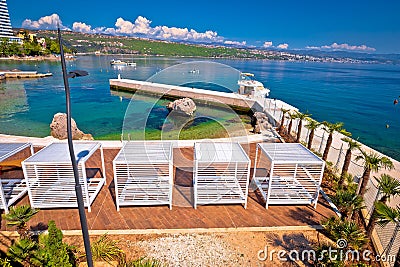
<point x="52" y="250"/>
<point x="374" y="162"/>
<point x="347" y="230"/>
<point x="107" y="250"/>
<point x="322" y="259"/>
<point x="347" y="201"/>
<point x="30" y="48"/>
<point x="386" y="214"/>
<point x="19" y="216"/>
<point x="24" y="253"/>
<point x="330" y="176"/>
<point x="5" y="262"/>
<point x="388" y="187"/>
<point x="143" y="262"/>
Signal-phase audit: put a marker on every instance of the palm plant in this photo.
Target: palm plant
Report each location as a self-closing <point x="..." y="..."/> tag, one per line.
<point x="348" y="230"/>
<point x="372" y="163"/>
<point x="331" y="128"/>
<point x="385" y="215"/>
<point x="301" y="117"/>
<point x="312" y="125"/>
<point x="353" y="144"/>
<point x="388" y="187"/>
<point x="19" y="217"/>
<point x="23" y="252"/>
<point x="292" y="117"/>
<point x="347" y="202"/>
<point x="284" y="111"/>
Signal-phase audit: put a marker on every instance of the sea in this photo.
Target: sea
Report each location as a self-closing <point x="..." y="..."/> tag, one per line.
<point x="362" y="96"/>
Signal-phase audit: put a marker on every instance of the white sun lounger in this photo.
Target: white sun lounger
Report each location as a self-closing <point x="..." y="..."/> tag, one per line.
<point x="221" y="173"/>
<point x="11" y="190"/>
<point x="291" y="174"/>
<point x="143" y="174"/>
<point x="50" y="177"/>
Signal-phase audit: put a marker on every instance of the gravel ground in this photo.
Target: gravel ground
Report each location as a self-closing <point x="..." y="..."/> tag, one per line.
<point x="191" y="250"/>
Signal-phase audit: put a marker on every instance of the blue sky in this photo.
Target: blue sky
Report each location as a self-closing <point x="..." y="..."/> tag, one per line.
<point x="370" y="26"/>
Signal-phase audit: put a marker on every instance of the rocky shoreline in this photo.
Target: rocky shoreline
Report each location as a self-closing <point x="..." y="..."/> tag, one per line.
<point x="37" y="58"/>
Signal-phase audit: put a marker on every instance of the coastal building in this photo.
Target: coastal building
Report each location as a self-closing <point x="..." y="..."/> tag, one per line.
<point x="5" y="23"/>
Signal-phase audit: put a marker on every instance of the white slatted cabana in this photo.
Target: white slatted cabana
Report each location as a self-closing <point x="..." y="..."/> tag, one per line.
<point x="50" y="177"/>
<point x="287" y="173"/>
<point x="143" y="174"/>
<point x="221" y="173"/>
<point x="11" y="190"/>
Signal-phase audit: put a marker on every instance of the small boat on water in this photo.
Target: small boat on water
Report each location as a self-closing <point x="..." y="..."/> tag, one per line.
<point x="194" y="71"/>
<point x="249" y="86"/>
<point x="118" y="62"/>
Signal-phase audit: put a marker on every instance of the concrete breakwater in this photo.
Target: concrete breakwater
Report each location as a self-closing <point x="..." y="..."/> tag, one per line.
<point x="236" y="101"/>
<point x="23" y="74"/>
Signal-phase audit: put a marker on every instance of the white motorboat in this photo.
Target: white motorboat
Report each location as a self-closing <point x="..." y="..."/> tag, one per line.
<point x="251" y="87"/>
<point x="118" y="62"/>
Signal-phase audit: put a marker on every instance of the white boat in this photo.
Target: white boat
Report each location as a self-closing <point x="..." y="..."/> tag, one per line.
<point x="118" y="62"/>
<point x="251" y="87"/>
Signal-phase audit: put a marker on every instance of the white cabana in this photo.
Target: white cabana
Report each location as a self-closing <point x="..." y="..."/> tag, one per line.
<point x="11" y="189"/>
<point x="50" y="178"/>
<point x="143" y="174"/>
<point x="221" y="173"/>
<point x="287" y="173"/>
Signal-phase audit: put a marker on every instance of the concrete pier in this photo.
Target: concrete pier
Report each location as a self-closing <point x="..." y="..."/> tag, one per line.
<point x="236" y="101"/>
<point x="23" y="74"/>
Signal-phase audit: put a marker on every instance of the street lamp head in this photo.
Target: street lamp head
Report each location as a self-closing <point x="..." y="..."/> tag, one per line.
<point x="77" y="73"/>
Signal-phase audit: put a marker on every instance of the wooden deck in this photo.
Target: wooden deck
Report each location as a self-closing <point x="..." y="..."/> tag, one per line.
<point x="104" y="215"/>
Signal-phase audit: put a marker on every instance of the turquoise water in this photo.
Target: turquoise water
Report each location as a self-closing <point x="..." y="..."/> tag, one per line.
<point x="361" y="96"/>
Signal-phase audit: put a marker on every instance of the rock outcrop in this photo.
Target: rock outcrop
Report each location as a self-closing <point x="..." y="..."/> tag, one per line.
<point x="58" y="128"/>
<point x="260" y="122"/>
<point x="183" y="105"/>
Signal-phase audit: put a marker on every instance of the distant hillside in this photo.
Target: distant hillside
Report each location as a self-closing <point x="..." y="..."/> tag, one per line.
<point x="106" y="44"/>
<point x="90" y="43"/>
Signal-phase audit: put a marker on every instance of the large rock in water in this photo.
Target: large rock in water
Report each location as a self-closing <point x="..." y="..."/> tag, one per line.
<point x="183" y="105"/>
<point x="59" y="128"/>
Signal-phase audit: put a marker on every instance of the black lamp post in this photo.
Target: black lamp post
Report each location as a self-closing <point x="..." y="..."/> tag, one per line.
<point x="78" y="188"/>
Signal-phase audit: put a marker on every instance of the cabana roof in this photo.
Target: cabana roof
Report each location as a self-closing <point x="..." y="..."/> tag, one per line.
<point x="144" y="152"/>
<point x="59" y="153"/>
<point x="219" y="152"/>
<point x="9" y="149"/>
<point x="289" y="153"/>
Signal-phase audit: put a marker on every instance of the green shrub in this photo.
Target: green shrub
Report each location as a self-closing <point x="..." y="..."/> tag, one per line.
<point x="348" y="230"/>
<point x="143" y="262"/>
<point x="105" y="249"/>
<point x="24" y="252"/>
<point x="53" y="251"/>
<point x="5" y="262"/>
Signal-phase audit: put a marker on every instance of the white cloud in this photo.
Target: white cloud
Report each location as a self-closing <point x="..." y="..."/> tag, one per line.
<point x="82" y="27"/>
<point x="140" y="27"/>
<point x="228" y="42"/>
<point x="344" y="46"/>
<point x="267" y="44"/>
<point x="283" y="46"/>
<point x="44" y="23"/>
